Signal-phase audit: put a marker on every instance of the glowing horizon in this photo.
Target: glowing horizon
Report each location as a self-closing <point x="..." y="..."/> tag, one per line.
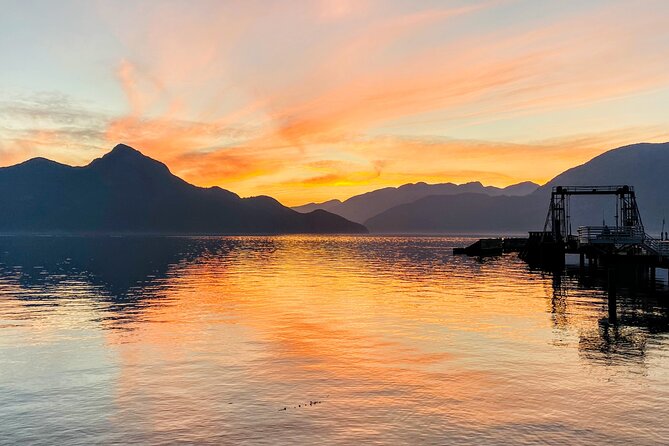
<point x="311" y="101"/>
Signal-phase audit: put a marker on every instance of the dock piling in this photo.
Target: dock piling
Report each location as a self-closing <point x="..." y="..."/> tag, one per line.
<point x="612" y="296"/>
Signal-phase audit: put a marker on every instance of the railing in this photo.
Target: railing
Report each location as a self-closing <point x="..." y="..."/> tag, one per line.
<point x="604" y="235"/>
<point x="657" y="247"/>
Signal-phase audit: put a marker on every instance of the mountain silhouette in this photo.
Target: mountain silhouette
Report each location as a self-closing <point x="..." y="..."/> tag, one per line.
<point x="643" y="166"/>
<point x="330" y="206"/>
<point x="462" y="213"/>
<point x="362" y="207"/>
<point x="127" y="192"/>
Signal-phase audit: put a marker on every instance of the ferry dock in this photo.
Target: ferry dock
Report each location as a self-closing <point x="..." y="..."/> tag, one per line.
<point x="625" y="252"/>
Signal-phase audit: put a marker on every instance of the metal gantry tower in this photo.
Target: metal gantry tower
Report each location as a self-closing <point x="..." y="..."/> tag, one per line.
<point x="558" y="219"/>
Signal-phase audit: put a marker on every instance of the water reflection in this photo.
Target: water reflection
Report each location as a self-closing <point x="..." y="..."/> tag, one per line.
<point x="642" y="314"/>
<point x="228" y="340"/>
<point x="121" y="267"/>
<point x="131" y="273"/>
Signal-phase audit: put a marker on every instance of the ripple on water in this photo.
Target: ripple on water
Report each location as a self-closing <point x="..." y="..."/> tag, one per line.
<point x="233" y="339"/>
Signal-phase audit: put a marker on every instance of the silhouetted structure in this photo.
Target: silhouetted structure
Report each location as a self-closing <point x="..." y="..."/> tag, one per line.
<point x="626" y="242"/>
<point x="624" y="250"/>
<point x="493" y="246"/>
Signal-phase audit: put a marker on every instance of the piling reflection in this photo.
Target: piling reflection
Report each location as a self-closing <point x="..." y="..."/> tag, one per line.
<point x="624" y="326"/>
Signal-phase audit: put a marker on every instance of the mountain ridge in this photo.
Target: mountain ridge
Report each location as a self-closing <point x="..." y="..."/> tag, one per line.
<point x="361" y="207"/>
<point x="125" y="191"/>
<point x="643" y="166"/>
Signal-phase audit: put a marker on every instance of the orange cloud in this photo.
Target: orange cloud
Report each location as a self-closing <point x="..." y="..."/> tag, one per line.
<point x="252" y="97"/>
<point x="126" y="74"/>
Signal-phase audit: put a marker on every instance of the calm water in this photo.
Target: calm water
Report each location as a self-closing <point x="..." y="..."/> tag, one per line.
<point x="318" y="340"/>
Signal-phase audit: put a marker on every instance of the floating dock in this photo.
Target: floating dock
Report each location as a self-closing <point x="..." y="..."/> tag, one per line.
<point x="487" y="247"/>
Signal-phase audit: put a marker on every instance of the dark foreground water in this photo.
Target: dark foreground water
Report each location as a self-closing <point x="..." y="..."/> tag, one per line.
<point x="318" y="340"/>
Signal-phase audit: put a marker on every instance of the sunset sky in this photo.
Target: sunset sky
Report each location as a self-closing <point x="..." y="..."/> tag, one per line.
<point x="308" y="101"/>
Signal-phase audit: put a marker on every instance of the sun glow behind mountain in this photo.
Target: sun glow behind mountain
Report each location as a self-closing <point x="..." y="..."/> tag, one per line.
<point x="308" y="101"/>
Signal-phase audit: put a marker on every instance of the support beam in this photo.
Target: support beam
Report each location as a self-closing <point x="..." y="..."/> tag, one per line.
<point x="652" y="277"/>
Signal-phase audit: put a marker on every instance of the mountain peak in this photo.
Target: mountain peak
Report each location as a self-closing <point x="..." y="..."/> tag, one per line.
<point x="124" y="156"/>
<point x="40" y="161"/>
<point x="124" y="147"/>
<point x="122" y="150"/>
<point x="38" y="164"/>
<point x="127" y="192"/>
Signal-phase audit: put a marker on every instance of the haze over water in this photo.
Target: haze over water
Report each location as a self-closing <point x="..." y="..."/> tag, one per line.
<point x="305" y="339"/>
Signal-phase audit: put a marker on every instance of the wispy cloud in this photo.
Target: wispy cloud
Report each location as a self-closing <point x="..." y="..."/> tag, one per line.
<point x="49" y="124"/>
<point x="325" y="99"/>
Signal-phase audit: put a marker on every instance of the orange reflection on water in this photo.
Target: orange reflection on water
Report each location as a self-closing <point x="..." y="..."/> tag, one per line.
<point x="299" y="321"/>
<point x="339" y="339"/>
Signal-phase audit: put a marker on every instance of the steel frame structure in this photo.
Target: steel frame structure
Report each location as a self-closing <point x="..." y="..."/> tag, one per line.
<point x="558" y="218"/>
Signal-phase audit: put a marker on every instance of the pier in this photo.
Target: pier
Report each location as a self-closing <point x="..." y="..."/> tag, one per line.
<point x="623" y="253"/>
<point x="625" y="244"/>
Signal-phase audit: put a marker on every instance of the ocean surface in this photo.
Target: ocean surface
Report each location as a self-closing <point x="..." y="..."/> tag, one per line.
<point x="319" y="340"/>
